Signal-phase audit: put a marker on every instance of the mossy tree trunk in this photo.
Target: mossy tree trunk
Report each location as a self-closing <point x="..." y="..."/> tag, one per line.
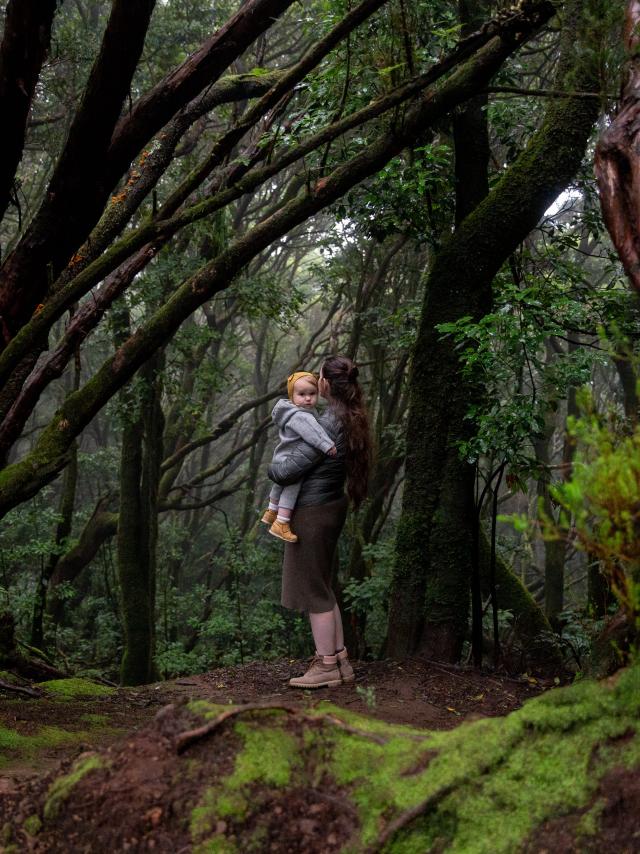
<point x="471" y="145"/>
<point x="63" y="529"/>
<point x="430" y="592"/>
<point x="140" y="461"/>
<point x="533" y="632"/>
<point x="554" y="550"/>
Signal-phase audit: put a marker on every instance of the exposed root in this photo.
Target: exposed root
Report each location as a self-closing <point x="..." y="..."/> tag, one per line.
<point x="407" y="817"/>
<point x="186" y="739"/>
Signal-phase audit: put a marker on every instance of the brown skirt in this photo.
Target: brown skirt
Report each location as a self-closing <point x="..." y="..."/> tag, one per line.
<point x="309" y="564"/>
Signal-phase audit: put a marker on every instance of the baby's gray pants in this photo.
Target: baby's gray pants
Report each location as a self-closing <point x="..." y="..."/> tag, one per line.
<point x="285" y="496"/>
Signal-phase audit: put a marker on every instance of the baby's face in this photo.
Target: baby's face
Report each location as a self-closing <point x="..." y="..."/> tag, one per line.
<point x="305" y="393"/>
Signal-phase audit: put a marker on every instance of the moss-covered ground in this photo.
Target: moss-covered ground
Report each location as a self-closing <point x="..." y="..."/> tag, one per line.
<point x="34" y="732"/>
<point x="321" y="778"/>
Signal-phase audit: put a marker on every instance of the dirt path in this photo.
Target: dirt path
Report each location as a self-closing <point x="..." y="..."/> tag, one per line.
<point x="412" y="692"/>
<point x="36" y="734"/>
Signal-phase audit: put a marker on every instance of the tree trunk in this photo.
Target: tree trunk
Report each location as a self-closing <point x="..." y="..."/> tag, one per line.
<point x="471" y="143"/>
<point x="133" y="566"/>
<point x="102" y="525"/>
<point x="137" y="529"/>
<point x="599" y="594"/>
<point x="25" y="43"/>
<point x="434" y="541"/>
<point x="67" y="501"/>
<point x="539" y="652"/>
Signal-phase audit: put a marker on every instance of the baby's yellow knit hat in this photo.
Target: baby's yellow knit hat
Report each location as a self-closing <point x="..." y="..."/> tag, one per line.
<point x="293" y="379"/>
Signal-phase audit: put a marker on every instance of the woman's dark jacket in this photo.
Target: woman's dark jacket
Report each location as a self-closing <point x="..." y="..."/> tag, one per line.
<point x="324" y="476"/>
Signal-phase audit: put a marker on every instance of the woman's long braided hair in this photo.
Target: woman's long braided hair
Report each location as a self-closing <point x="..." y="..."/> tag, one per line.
<point x="347" y="398"/>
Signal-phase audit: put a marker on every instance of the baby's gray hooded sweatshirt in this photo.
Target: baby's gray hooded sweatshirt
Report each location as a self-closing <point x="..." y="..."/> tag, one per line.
<point x="297" y="424"/>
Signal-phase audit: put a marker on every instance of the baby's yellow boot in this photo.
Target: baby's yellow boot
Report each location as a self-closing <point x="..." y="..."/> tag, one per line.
<point x="283" y="532"/>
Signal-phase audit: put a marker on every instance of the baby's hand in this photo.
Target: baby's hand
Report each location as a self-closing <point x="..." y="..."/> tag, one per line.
<point x="332" y="451"/>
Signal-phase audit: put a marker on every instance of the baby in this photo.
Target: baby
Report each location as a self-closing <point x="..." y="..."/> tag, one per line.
<point x="296" y="420"/>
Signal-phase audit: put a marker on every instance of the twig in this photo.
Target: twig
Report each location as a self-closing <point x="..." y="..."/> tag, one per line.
<point x="379" y="739"/>
<point x="103" y="681"/>
<point x="444" y="669"/>
<point x="18" y="689"/>
<point x="187" y="738"/>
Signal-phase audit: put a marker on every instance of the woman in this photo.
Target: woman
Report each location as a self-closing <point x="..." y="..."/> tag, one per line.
<point x="319" y="516"/>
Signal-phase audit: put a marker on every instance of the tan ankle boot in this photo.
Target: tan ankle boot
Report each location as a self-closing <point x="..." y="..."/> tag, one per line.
<point x="283" y="532"/>
<point x="269" y="517"/>
<point x="323" y="673"/>
<point x="346" y="670"/>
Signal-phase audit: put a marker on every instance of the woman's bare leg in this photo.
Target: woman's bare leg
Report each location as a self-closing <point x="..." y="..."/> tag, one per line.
<point x="323" y="629"/>
<point x="326" y="628"/>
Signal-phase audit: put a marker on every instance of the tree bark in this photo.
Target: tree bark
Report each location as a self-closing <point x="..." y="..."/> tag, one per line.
<point x="535" y="635"/>
<point x="78" y="189"/>
<point x="617" y="162"/>
<point x="471" y="145"/>
<point x="138" y="529"/>
<point x="26" y="39"/>
<point x="433" y="557"/>
<point x="102" y="525"/>
<point x="63" y="529"/>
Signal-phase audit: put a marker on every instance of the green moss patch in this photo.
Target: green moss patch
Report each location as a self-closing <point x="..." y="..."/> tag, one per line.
<point x="268" y="757"/>
<point x="205" y="709"/>
<point x="71" y="689"/>
<point x="61" y="788"/>
<point x="540" y="762"/>
<point x="33" y="825"/>
<point x="532" y="766"/>
<point x="14" y="745"/>
<point x="96" y="719"/>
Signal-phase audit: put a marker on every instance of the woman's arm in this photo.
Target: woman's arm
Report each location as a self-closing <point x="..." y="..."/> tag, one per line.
<point x="296" y="465"/>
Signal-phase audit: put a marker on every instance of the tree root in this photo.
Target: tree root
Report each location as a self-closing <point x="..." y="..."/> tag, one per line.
<point x="405" y="818"/>
<point x="423" y="808"/>
<point x="186" y="739"/>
